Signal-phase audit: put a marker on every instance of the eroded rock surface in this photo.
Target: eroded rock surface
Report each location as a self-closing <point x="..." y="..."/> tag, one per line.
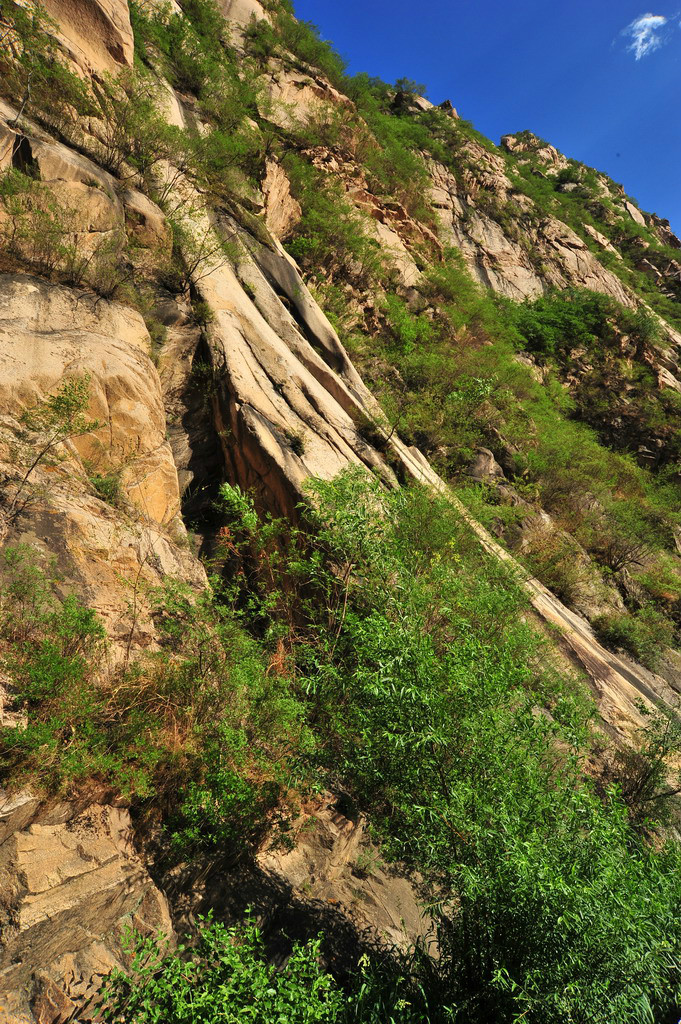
<point x="70" y="881"/>
<point x="96" y="33"/>
<point x="50" y="333"/>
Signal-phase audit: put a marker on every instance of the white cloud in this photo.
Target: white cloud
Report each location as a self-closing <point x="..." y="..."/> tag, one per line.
<point x="646" y="34"/>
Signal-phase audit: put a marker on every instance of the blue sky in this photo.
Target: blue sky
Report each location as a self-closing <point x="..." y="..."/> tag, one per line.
<point x="601" y="79"/>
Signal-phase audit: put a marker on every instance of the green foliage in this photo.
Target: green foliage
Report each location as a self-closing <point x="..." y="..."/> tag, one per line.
<point x="34" y="75"/>
<point x="45" y="428"/>
<point x="224" y="159"/>
<point x="409" y="331"/>
<point x="576" y="317"/>
<point x="224" y="977"/>
<point x="224" y="810"/>
<point x="301" y="38"/>
<point x="413" y="684"/>
<point x="429" y="672"/>
<point x="43" y="235"/>
<point x="449" y="380"/>
<point x="208" y="694"/>
<point x="260" y="39"/>
<point x="642" y="633"/>
<point x="331" y="237"/>
<point x="107" y="486"/>
<point x="134" y="132"/>
<point x="643" y="771"/>
<point x="596" y="201"/>
<point x="190" y="44"/>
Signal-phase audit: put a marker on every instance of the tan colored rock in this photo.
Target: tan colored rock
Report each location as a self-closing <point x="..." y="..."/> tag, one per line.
<point x="59" y="163"/>
<point x="145" y="220"/>
<point x="50" y="1004"/>
<point x="333" y="861"/>
<point x="68" y="888"/>
<point x="282" y="211"/>
<point x="295" y="96"/>
<point x="108" y="342"/>
<point x="499" y="261"/>
<point x="96" y="33"/>
<point x="572" y="262"/>
<point x="666" y="379"/>
<point x="601" y="239"/>
<point x="239" y="13"/>
<point x="399" y="256"/>
<point x="548" y="154"/>
<point x="87" y="209"/>
<point x="101" y="550"/>
<point x="635" y="213"/>
<point x="484" y="468"/>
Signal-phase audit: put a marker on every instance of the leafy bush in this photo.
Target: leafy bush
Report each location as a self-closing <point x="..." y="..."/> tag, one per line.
<point x="302" y="39"/>
<point x="407" y="660"/>
<point x="44" y="429"/>
<point x="134" y="132"/>
<point x="331" y="237"/>
<point x="641" y="634"/>
<point x="42" y="235"/>
<point x="33" y="74"/>
<point x="224" y="977"/>
<point x="208" y="690"/>
<point x="107" y="486"/>
<point x="429" y="671"/>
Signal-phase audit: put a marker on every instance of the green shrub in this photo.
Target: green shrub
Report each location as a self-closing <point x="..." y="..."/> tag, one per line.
<point x="331" y="239"/>
<point x="208" y="689"/>
<point x="641" y="634"/>
<point x="224" y="810"/>
<point x="260" y="40"/>
<point x="296" y="441"/>
<point x="134" y="132"/>
<point x="44" y="430"/>
<point x="429" y="671"/>
<point x="225" y="976"/>
<point x="107" y="486"/>
<point x="301" y="38"/>
<point x="33" y="74"/>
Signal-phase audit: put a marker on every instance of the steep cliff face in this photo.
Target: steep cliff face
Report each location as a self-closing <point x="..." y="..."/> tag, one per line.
<point x="217" y="267"/>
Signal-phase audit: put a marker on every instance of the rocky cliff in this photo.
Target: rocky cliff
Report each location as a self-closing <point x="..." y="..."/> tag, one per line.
<point x="221" y="263"/>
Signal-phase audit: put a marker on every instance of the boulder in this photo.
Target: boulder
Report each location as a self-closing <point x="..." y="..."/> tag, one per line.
<point x="635" y="213"/>
<point x="484" y="469"/>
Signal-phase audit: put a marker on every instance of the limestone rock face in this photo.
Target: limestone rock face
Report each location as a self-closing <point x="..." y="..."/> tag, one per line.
<point x="107" y="342"/>
<point x="282" y="211"/>
<point x="295" y="96"/>
<point x="287" y="409"/>
<point x="635" y="213"/>
<point x="240" y="12"/>
<point x="333" y="881"/>
<point x="96" y="33"/>
<point x="500" y="261"/>
<point x="71" y="879"/>
<point x="333" y="862"/>
<point x="485" y="468"/>
<point x="530" y="143"/>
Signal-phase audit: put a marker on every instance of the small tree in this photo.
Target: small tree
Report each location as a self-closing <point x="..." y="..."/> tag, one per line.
<point x="45" y="428"/>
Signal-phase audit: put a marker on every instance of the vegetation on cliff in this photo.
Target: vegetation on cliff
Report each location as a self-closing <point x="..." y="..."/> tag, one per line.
<point x="393" y="665"/>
